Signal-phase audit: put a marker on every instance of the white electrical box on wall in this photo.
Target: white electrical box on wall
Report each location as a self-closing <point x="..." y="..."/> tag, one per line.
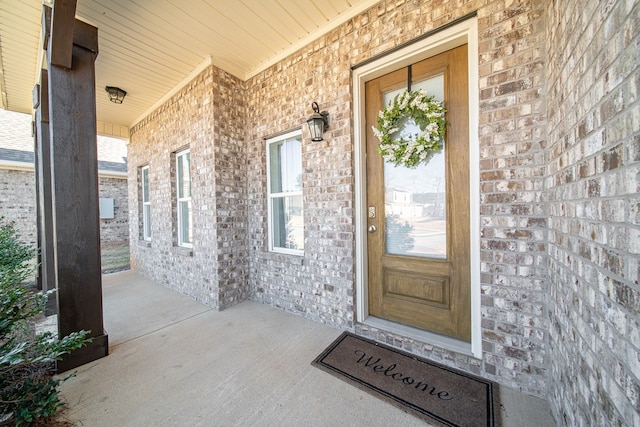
<point x="106" y="208"/>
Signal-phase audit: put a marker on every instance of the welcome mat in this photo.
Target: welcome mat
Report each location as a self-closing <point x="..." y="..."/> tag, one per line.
<point x="435" y="393"/>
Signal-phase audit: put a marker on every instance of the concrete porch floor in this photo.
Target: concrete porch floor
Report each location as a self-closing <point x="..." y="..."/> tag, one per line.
<point x="175" y="362"/>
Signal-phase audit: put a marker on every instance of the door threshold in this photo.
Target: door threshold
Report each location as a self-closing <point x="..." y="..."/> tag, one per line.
<point x="421" y="335"/>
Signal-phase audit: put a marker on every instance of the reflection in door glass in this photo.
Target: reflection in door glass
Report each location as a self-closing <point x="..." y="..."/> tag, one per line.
<point x="415" y="199"/>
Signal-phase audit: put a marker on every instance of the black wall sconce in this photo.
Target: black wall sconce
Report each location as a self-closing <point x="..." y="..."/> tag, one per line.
<point x="115" y="94"/>
<point x="318" y="122"/>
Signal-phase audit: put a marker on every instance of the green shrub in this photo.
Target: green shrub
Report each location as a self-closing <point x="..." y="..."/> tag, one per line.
<point x="28" y="389"/>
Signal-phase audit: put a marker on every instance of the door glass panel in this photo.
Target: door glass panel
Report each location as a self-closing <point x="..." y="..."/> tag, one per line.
<point x="415" y="199"/>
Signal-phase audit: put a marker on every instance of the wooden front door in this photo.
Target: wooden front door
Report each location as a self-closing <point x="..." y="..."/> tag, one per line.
<point x="418" y="219"/>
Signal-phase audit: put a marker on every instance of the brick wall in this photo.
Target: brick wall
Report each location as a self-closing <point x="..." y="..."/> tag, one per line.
<point x="512" y="214"/>
<point x="18" y="203"/>
<point x="114" y="233"/>
<point x="207" y="117"/>
<point x="320" y="284"/>
<point x="230" y="201"/>
<point x="594" y="220"/>
<point x="115" y="230"/>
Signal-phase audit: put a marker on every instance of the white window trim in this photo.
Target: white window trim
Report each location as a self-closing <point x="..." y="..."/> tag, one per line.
<point x="146" y="205"/>
<point x="182" y="199"/>
<point x="465" y="32"/>
<point x="271" y="196"/>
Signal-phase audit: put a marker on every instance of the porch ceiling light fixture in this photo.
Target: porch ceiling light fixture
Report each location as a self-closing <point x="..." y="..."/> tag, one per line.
<point x="116" y="94"/>
<point x="318" y="122"/>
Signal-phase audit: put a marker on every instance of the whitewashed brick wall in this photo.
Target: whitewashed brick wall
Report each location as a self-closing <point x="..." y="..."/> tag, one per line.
<point x="594" y="223"/>
<point x="512" y="168"/>
<point x="207" y="116"/>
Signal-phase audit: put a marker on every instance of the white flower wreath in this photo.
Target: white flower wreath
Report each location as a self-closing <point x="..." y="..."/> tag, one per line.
<point x="413" y="149"/>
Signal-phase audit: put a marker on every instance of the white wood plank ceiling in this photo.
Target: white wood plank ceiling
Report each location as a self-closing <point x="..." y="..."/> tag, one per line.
<point x="150" y="48"/>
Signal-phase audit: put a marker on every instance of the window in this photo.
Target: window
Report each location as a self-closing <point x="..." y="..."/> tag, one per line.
<point x="183" y="187"/>
<point x="146" y="204"/>
<point x="284" y="188"/>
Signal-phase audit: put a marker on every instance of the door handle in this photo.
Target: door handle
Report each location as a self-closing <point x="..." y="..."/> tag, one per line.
<point x="372" y="228"/>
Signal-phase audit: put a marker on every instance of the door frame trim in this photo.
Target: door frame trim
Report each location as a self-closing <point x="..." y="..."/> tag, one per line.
<point x="464" y="32"/>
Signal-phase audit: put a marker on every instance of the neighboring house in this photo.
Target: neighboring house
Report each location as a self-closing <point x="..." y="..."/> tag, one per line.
<point x="543" y="213"/>
<point x="18" y="192"/>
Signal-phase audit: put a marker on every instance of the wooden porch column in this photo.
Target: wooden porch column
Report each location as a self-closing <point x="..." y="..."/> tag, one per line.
<point x="74" y="171"/>
<point x="47" y="269"/>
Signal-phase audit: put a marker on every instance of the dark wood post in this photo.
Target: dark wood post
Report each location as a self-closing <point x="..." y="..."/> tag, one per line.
<point x="74" y="170"/>
<point x="36" y="170"/>
<point x="47" y="269"/>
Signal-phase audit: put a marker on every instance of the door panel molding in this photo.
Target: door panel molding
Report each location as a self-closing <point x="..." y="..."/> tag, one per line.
<point x="463" y="33"/>
<point x="435" y="290"/>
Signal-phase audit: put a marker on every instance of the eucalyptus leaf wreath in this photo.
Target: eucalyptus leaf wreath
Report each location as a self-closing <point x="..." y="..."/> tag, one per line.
<point x="410" y="149"/>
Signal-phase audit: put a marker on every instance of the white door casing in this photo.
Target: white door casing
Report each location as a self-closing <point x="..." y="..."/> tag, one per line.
<point x="465" y="32"/>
